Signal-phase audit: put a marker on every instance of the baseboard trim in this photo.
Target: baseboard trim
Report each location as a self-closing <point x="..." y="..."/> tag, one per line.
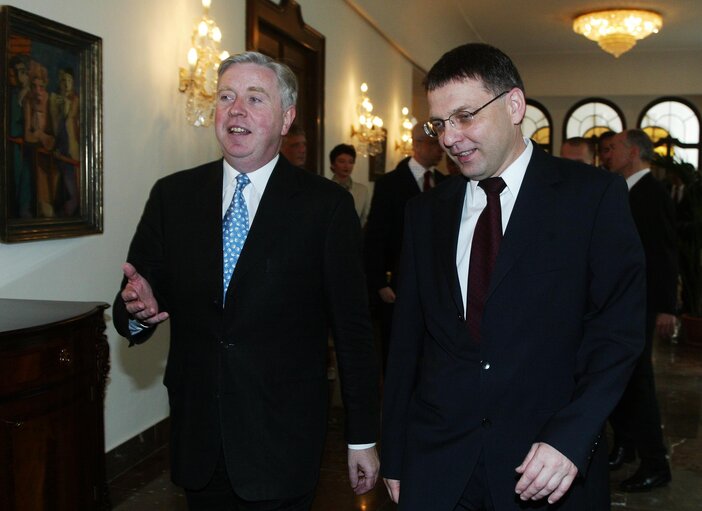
<point x="136" y="449"/>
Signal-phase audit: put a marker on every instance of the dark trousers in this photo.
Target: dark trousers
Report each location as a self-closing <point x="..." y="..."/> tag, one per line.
<point x="219" y="495"/>
<point x="636" y="421"/>
<point x="476" y="496"/>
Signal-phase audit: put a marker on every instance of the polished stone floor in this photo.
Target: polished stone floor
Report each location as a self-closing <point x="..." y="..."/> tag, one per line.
<point x="679" y="382"/>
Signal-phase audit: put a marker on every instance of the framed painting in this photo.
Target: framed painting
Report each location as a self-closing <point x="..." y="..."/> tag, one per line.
<point x="51" y="132"/>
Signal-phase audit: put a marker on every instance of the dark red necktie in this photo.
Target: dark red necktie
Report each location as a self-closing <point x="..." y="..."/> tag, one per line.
<point x="427" y="181"/>
<point x="486" y="243"/>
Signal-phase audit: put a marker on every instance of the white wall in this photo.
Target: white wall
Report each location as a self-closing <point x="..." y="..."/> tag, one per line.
<point x="146" y="137"/>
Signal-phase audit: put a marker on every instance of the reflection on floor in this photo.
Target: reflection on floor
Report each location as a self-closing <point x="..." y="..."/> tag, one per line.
<point x="679" y="379"/>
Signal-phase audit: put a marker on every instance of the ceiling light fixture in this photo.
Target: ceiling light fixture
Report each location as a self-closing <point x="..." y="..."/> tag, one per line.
<point x="617" y="30"/>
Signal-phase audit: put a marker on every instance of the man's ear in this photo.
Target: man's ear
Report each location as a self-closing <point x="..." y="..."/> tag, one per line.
<point x="517" y="105"/>
<point x="288" y="118"/>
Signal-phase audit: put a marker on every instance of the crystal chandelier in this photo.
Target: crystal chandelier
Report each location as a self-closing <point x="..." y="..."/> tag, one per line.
<point x="199" y="80"/>
<point x="617" y="30"/>
<point x="369" y="133"/>
<point x="406" y="125"/>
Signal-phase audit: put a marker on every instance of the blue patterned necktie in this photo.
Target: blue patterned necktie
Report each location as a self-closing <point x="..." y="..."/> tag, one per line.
<point x="235" y="228"/>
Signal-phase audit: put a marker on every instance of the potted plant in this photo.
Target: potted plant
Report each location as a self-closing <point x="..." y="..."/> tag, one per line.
<point x="689" y="222"/>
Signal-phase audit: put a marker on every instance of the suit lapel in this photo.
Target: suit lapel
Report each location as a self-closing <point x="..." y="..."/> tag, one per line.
<point x="448" y="219"/>
<point x="207" y="215"/>
<point x="269" y="221"/>
<point x="535" y="195"/>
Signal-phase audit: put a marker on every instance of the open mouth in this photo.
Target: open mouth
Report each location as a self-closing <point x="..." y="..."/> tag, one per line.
<point x="238" y="130"/>
<point x="465" y="154"/>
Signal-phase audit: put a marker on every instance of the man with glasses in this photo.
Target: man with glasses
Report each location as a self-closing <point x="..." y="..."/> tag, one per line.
<point x="383" y="239"/>
<point x="519" y="315"/>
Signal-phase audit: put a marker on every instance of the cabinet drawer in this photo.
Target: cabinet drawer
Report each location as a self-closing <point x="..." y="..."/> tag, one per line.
<point x="36" y="366"/>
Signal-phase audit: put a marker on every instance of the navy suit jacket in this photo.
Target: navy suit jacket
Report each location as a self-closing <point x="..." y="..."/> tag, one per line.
<point x="654" y="215"/>
<point x="561" y="332"/>
<point x="383" y="239"/>
<point x="250" y="378"/>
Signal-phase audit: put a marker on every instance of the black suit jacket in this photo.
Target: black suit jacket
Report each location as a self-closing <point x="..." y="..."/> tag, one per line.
<point x="561" y="331"/>
<point x="250" y="378"/>
<point x="383" y="239"/>
<point x="654" y="215"/>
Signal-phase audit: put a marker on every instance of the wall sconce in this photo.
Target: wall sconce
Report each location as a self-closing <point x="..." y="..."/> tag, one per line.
<point x="406" y="125"/>
<point x="199" y="81"/>
<point x="617" y="30"/>
<point x="369" y="133"/>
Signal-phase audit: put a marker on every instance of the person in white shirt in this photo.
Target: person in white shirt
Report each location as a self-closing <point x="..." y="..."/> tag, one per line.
<point x="342" y="159"/>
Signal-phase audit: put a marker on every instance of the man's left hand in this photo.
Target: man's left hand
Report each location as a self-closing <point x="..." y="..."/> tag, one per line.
<point x="545" y="472"/>
<point x="364" y="466"/>
<point x="665" y="325"/>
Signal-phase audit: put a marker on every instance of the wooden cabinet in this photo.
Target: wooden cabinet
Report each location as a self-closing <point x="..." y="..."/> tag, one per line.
<point x="54" y="360"/>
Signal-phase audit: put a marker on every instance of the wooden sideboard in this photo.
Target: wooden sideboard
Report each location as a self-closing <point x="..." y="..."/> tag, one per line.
<point x="54" y="360"/>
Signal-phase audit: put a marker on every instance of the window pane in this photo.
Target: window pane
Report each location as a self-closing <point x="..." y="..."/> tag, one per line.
<point x="593" y="118"/>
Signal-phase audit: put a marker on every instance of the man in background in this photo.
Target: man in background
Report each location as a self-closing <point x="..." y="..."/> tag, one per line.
<point x="604" y="147"/>
<point x="579" y="149"/>
<point x="294" y="146"/>
<point x="636" y="421"/>
<point x="253" y="260"/>
<point x="383" y="240"/>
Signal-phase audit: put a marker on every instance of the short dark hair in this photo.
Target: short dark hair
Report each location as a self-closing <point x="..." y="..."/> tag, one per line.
<point x="578" y="141"/>
<point x="475" y="61"/>
<point x="639" y="139"/>
<point x="295" y="130"/>
<point x="606" y="135"/>
<point x="342" y="149"/>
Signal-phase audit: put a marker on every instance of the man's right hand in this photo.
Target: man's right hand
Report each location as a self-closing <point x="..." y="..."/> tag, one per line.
<point x="393" y="486"/>
<point x="387" y="295"/>
<point x="139" y="298"/>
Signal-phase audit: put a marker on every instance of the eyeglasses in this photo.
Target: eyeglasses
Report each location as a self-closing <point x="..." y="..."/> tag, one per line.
<point x="459" y="120"/>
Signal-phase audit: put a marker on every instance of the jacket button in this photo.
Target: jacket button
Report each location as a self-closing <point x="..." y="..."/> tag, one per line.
<point x="486" y="423"/>
<point x="461" y="318"/>
<point x="485" y="364"/>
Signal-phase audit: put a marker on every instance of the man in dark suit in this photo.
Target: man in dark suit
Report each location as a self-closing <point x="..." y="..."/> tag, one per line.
<point x="246" y="373"/>
<point x="383" y="239"/>
<point x="636" y="421"/>
<point x="507" y="353"/>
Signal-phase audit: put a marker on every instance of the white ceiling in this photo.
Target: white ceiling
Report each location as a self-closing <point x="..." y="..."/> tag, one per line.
<point x="425" y="29"/>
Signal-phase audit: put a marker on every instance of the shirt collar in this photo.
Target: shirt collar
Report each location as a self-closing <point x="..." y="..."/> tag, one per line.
<point x="259" y="177"/>
<point x="347" y="185"/>
<point x="636" y="177"/>
<point x="514" y="174"/>
<point x="417" y="169"/>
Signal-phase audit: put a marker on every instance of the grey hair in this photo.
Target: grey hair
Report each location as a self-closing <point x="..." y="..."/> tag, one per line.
<point x="287" y="83"/>
<point x="639" y="139"/>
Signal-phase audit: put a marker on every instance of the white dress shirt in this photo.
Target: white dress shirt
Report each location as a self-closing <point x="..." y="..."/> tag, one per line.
<point x="474" y="203"/>
<point x="636" y="177"/>
<point x="253" y="192"/>
<point x="418" y="172"/>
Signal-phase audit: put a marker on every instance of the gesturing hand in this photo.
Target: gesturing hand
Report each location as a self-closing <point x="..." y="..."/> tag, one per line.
<point x="139" y="299"/>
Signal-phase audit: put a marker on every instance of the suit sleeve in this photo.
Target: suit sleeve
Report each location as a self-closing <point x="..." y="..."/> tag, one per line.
<point x="146" y="254"/>
<point x="657" y="230"/>
<point x="353" y="335"/>
<point x="405" y="351"/>
<point x="378" y="236"/>
<point x="613" y="330"/>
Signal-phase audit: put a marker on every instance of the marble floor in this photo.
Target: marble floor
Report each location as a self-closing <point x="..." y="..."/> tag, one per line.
<point x="679" y="383"/>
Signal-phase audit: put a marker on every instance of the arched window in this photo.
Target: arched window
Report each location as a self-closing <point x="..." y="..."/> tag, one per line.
<point x="591" y="117"/>
<point x="674" y="126"/>
<point x="537" y="125"/>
